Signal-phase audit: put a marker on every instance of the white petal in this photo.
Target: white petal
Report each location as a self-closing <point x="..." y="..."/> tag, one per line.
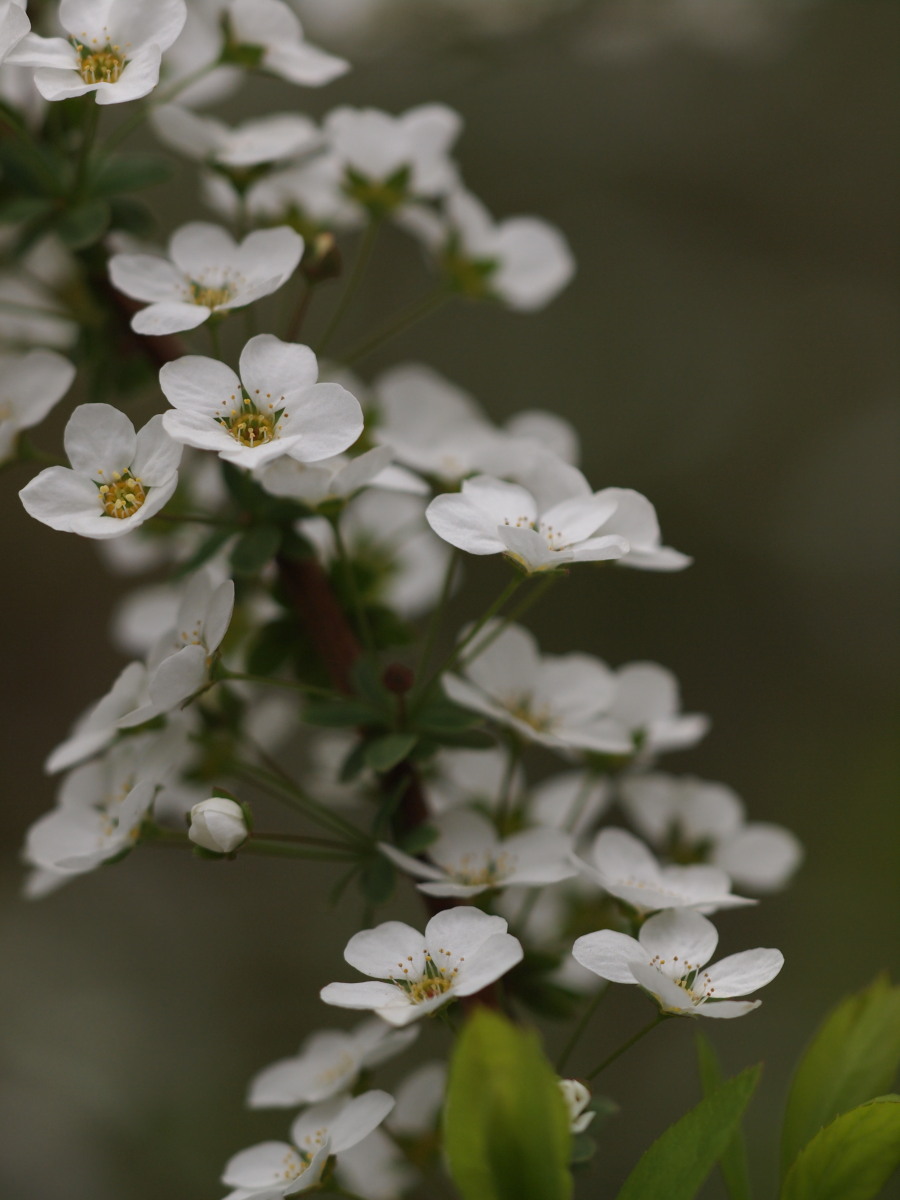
<point x="462" y="931"/>
<point x="609" y="954"/>
<point x="359" y="1118"/>
<point x="742" y="973"/>
<point x="761" y="856"/>
<point x="169" y="316"/>
<point x="679" y="937"/>
<point x="391" y="950"/>
<point x="147" y="277"/>
<point x="99" y="440"/>
<point x="199" y="245"/>
<point x="200" y="385"/>
<point x="488" y="962"/>
<point x="372" y="994"/>
<point x="326" y="419"/>
<point x="463" y="524"/>
<point x="156" y="455"/>
<point x="56" y="495"/>
<point x="268" y="364"/>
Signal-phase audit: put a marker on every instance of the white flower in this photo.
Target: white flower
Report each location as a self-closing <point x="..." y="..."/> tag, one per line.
<point x="272" y="29"/>
<point x="688" y="816"/>
<point x="262" y="140"/>
<point x="218" y="824"/>
<point x="101" y="807"/>
<point x="635" y="520"/>
<point x="470" y="858"/>
<point x="99" y="726"/>
<point x="14" y="24"/>
<point x="440" y="430"/>
<point x="625" y="868"/>
<point x="489" y="516"/>
<point x="114" y="49"/>
<point x="558" y="700"/>
<point x="523" y="261"/>
<point x="577" y="1098"/>
<point x="309" y="196"/>
<point x="668" y="958"/>
<point x="209" y="273"/>
<point x="336" y="478"/>
<point x="463" y="950"/>
<point x="329" y="1062"/>
<point x="647" y="705"/>
<point x="179" y="664"/>
<point x="198" y="49"/>
<point x="30" y="385"/>
<point x="276" y="407"/>
<point x="274" y="1169"/>
<point x="118" y="478"/>
<point x="385" y="531"/>
<point x="573" y="801"/>
<point x="420" y="1098"/>
<point x="473" y="777"/>
<point x="375" y="147"/>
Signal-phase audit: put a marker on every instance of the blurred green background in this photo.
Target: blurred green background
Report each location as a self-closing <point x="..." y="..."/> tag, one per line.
<point x="729" y="347"/>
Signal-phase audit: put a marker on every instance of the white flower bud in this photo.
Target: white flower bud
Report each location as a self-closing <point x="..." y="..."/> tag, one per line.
<point x="218" y="824"/>
<point x="577" y="1098"/>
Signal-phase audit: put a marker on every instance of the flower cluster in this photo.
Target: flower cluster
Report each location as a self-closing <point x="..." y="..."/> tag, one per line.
<point x="300" y="520"/>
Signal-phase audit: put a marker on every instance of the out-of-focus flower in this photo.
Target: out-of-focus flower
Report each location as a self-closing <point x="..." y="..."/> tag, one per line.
<point x="218" y="824"/>
<point x="208" y="273"/>
<point x="577" y="1098"/>
<point x="31" y="385"/>
<point x="267" y="34"/>
<point x="266" y="139"/>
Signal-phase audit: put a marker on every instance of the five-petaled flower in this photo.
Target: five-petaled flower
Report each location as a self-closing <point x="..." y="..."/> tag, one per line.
<point x="462" y="951"/>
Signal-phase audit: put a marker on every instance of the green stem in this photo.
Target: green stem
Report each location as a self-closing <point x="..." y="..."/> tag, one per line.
<point x="282" y="787"/>
<point x="197" y="519"/>
<point x="579" y="1029"/>
<point x="295" y="324"/>
<point x="657" y="1020"/>
<point x="519" y="611"/>
<point x="161" y="97"/>
<point x="212" y="326"/>
<point x="279" y="848"/>
<point x="362" y="621"/>
<point x="453" y="658"/>
<point x="89" y="133"/>
<point x="436" y="617"/>
<point x="405" y="319"/>
<point x="271" y="681"/>
<point x="504" y="799"/>
<point x="359" y="267"/>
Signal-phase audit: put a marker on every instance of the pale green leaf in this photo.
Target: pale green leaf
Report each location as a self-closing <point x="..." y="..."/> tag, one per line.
<point x="850" y="1159"/>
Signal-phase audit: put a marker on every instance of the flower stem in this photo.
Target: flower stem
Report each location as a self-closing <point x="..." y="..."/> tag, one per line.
<point x="579" y="1029"/>
<point x="89" y="133"/>
<point x="271" y="681"/>
<point x="359" y="267"/>
<point x="520" y="609"/>
<point x="295" y="324"/>
<point x="362" y="621"/>
<point x="405" y="319"/>
<point x="657" y="1020"/>
<point x="164" y="96"/>
<point x="454" y="657"/>
<point x="436" y="617"/>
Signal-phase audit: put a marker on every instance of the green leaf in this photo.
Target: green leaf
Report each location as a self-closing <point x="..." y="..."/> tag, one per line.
<point x="128" y="173"/>
<point x="469" y="739"/>
<point x="367" y="682"/>
<point x="204" y="552"/>
<point x="84" y="225"/>
<point x="853" y="1057"/>
<point x="254" y="549"/>
<point x="850" y="1159"/>
<point x="418" y="839"/>
<point x="377" y="879"/>
<point x="272" y="646"/>
<point x="385" y="752"/>
<point x="733" y="1162"/>
<point x="443" y="716"/>
<point x="132" y="216"/>
<point x="506" y="1129"/>
<point x="339" y="714"/>
<point x="677" y="1164"/>
<point x="25" y="208"/>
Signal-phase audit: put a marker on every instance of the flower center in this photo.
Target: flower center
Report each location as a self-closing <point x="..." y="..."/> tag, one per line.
<point x="249" y="426"/>
<point x="101" y="66"/>
<point x="436" y="981"/>
<point x="211" y="297"/>
<point x="123" y="497"/>
<point x="521" y="709"/>
<point x="493" y="870"/>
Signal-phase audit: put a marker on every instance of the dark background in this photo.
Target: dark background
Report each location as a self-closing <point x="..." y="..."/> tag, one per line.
<point x="729" y="347"/>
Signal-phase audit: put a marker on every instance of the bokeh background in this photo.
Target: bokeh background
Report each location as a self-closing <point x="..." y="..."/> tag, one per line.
<point x="727" y="175"/>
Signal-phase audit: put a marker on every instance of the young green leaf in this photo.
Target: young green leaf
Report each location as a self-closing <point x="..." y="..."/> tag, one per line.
<point x="382" y="753"/>
<point x="254" y="549"/>
<point x="677" y="1164"/>
<point x="853" y="1057"/>
<point x="850" y="1159"/>
<point x="733" y="1162"/>
<point x="506" y="1127"/>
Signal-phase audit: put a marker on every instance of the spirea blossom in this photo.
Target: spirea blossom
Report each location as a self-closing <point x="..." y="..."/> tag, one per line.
<point x="469" y="858"/>
<point x="208" y="273"/>
<point x="462" y="951"/>
<point x="668" y="960"/>
<point x="266" y="139"/>
<point x="218" y="824"/>
<point x="489" y="516"/>
<point x="275" y="407"/>
<point x="114" y="49"/>
<point x="272" y="30"/>
<point x="14" y="25"/>
<point x="30" y="385"/>
<point x="273" y="1169"/>
<point x="118" y="478"/>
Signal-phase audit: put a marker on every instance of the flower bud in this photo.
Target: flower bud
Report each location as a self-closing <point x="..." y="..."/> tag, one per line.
<point x="218" y="824"/>
<point x="577" y="1098"/>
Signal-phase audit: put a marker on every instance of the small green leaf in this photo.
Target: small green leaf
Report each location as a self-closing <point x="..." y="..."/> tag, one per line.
<point x="733" y="1162"/>
<point x="677" y="1164"/>
<point x="254" y="549"/>
<point x="25" y="208"/>
<point x="128" y="173"/>
<point x="204" y="552"/>
<point x="339" y="714"/>
<point x="850" y="1159"/>
<point x="506" y="1128"/>
<point x="132" y="216"/>
<point x="377" y="879"/>
<point x="385" y="752"/>
<point x="418" y="839"/>
<point x="853" y="1057"/>
<point x="443" y="716"/>
<point x="84" y="225"/>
